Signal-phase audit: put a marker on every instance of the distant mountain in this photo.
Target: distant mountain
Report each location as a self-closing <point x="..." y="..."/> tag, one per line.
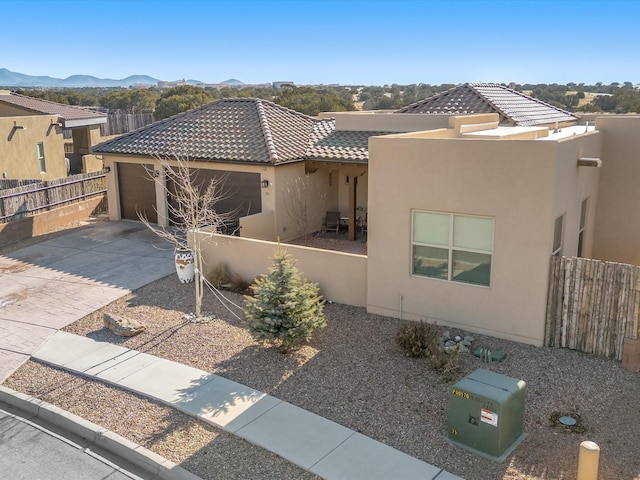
<point x="233" y="81"/>
<point x="14" y="79"/>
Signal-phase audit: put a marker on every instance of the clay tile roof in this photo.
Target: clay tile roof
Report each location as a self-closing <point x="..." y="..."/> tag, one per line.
<point x="75" y="116"/>
<point x="248" y="130"/>
<point x="329" y="144"/>
<point x="234" y="130"/>
<point x="513" y="107"/>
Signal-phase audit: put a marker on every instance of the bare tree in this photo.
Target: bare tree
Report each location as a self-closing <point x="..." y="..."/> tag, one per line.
<point x="299" y="206"/>
<point x="191" y="207"/>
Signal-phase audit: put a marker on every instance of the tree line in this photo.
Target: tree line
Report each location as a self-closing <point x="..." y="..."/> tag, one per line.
<point x="612" y="98"/>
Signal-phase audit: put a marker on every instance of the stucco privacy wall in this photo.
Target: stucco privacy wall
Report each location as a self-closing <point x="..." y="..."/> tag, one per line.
<point x="317" y="198"/>
<point x="18" y="147"/>
<point x="51" y="220"/>
<point x="512" y="181"/>
<point x="258" y="226"/>
<point x="341" y="276"/>
<point x="573" y="184"/>
<point x="386" y="121"/>
<point x="617" y="233"/>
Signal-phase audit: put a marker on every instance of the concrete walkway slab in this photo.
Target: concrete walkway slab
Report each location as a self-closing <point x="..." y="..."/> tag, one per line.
<point x="63" y="348"/>
<point x="225" y="403"/>
<point x="164" y="380"/>
<point x="113" y="366"/>
<point x="126" y="366"/>
<point x="300" y="436"/>
<point x="375" y="461"/>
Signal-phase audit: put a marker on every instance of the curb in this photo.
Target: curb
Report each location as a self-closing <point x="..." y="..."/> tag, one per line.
<point x="136" y="454"/>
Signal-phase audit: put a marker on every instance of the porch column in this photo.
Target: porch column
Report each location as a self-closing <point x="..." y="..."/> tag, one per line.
<point x="353" y="184"/>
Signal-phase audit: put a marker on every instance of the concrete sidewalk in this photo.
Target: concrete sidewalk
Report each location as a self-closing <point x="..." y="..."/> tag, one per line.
<point x="49" y="285"/>
<point x="314" y="443"/>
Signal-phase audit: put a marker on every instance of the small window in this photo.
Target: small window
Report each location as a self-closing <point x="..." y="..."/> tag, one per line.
<point x="583" y="225"/>
<point x="557" y="235"/>
<point x="43" y="166"/>
<point x="456" y="248"/>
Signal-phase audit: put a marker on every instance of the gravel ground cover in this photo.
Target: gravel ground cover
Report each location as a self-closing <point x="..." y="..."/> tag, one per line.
<point x="352" y="373"/>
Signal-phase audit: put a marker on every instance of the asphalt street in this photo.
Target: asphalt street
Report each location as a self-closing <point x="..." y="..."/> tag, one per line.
<point x="29" y="451"/>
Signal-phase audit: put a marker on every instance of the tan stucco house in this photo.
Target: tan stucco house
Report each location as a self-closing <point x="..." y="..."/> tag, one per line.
<point x="468" y="194"/>
<point x="32" y="144"/>
<point x="260" y="147"/>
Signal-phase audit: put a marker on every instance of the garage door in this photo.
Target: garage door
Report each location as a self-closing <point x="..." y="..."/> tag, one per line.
<point x="137" y="192"/>
<point x="241" y="191"/>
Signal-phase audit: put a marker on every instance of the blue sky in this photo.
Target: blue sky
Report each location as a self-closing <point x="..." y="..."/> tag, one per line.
<point x="323" y="42"/>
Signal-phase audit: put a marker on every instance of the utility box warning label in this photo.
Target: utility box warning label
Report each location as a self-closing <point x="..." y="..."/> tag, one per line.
<point x="487" y="416"/>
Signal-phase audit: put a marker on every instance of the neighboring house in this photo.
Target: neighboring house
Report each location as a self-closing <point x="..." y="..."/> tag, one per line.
<point x="464" y="210"/>
<point x="514" y="108"/>
<point x="32" y="143"/>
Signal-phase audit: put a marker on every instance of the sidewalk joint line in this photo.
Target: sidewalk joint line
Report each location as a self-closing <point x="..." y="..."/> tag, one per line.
<point x="353" y="432"/>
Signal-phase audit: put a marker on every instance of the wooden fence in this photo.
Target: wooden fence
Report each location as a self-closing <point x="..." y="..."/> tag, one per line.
<point x="121" y="122"/>
<point x="6" y="183"/>
<point x="27" y="200"/>
<point x="592" y="305"/>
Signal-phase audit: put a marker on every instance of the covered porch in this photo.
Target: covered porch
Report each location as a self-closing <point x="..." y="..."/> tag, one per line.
<point x="345" y="194"/>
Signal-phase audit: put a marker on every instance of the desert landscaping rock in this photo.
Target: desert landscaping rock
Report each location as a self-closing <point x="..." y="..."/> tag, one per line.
<point x="123" y="326"/>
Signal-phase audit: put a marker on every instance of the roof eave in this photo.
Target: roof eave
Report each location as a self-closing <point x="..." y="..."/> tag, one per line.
<point x="84" y="122"/>
<point x="338" y="160"/>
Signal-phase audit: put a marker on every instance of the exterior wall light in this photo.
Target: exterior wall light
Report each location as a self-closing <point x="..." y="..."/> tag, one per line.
<point x="107" y="169"/>
<point x="265" y="183"/>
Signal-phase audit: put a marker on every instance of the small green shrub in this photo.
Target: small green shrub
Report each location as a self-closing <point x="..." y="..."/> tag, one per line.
<point x="423" y="340"/>
<point x="284" y="310"/>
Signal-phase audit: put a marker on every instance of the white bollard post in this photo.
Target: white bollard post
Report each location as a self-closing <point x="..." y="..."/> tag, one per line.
<point x="588" y="461"/>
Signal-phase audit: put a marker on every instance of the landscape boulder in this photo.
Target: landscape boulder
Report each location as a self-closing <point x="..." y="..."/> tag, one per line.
<point x="122" y="326"/>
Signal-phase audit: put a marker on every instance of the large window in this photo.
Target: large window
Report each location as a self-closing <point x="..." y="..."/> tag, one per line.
<point x="457" y="248"/>
<point x="43" y="167"/>
<point x="583" y="225"/>
<point x="557" y="235"/>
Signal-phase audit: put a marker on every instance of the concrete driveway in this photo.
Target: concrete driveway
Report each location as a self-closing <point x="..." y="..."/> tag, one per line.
<point x="49" y="285"/>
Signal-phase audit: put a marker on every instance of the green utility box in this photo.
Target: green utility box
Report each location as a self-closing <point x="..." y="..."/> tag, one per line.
<point x="486" y="414"/>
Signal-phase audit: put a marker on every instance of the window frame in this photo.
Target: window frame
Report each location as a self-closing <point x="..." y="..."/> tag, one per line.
<point x="557" y="252"/>
<point x="41" y="157"/>
<point x="584" y="216"/>
<point x="450" y="248"/>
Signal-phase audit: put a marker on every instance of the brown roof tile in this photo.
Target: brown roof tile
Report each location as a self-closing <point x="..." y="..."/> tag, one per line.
<point x="236" y="130"/>
<point x="47" y="107"/>
<point x="242" y="130"/>
<point x="513" y="107"/>
<point x="339" y="145"/>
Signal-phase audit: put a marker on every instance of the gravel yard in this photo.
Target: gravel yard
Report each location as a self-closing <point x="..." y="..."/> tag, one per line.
<point x="354" y="374"/>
